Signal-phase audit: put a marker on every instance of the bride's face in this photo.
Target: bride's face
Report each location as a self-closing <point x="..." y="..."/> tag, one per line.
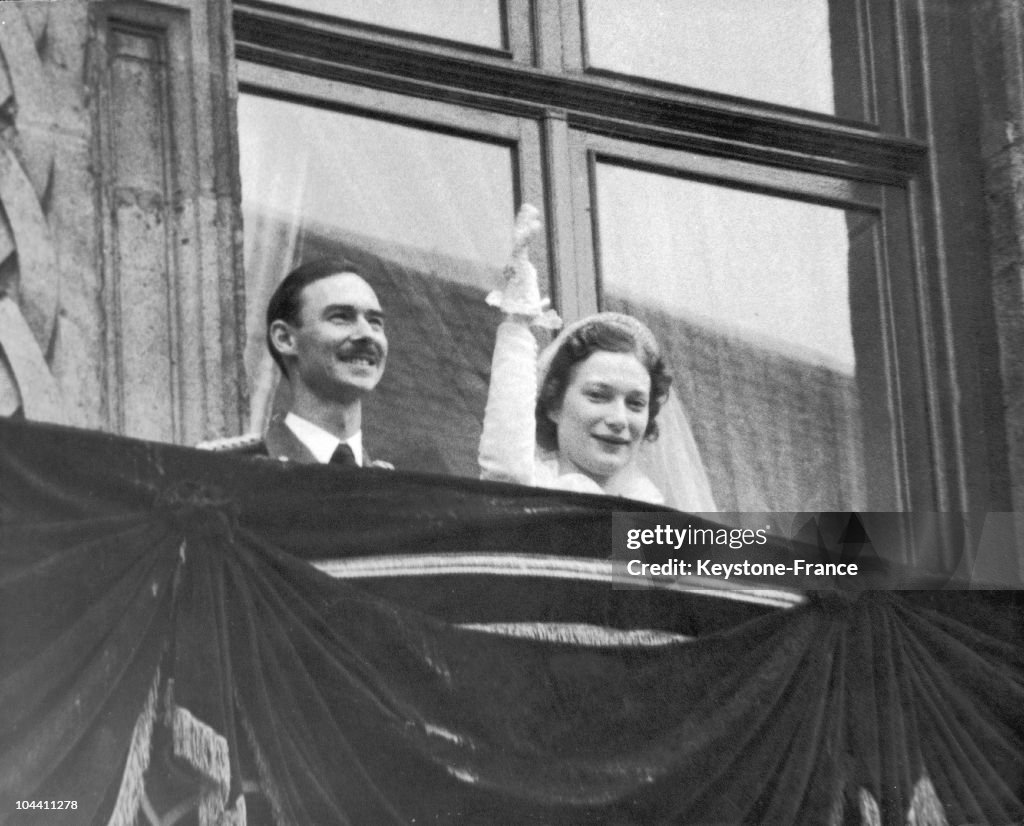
<point x="603" y="415"/>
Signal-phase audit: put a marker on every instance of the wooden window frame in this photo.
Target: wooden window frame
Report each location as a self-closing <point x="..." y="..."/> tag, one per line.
<point x="543" y="77"/>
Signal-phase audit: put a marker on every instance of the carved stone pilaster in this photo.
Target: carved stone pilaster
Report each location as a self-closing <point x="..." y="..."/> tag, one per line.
<point x="29" y="272"/>
<point x="121" y="298"/>
<point x="167" y="192"/>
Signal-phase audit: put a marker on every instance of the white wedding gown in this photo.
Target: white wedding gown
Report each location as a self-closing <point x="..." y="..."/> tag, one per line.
<point x="667" y="471"/>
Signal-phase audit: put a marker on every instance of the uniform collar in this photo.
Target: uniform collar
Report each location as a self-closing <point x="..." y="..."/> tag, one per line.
<point x="321" y="443"/>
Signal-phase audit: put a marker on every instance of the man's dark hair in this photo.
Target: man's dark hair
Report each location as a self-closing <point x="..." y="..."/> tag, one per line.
<point x="286" y="302"/>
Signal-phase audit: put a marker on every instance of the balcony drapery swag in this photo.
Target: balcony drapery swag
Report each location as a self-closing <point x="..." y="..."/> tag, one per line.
<point x="158" y="611"/>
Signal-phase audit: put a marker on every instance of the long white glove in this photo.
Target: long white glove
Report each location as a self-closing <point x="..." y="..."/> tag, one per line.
<point x="519" y="295"/>
<point x="508" y="441"/>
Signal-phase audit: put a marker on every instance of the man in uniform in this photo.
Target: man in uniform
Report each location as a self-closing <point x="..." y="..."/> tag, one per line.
<point x="325" y="330"/>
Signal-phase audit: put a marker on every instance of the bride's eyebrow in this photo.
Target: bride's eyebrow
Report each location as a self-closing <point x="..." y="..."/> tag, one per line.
<point x="601" y="384"/>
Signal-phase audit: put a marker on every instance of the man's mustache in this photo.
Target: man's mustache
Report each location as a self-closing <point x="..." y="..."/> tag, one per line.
<point x="362" y="349"/>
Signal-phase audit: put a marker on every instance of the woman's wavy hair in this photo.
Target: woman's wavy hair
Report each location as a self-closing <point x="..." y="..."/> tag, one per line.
<point x="615" y="333"/>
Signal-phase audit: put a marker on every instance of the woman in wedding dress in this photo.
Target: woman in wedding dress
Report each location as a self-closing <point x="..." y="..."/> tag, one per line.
<point x="584" y="415"/>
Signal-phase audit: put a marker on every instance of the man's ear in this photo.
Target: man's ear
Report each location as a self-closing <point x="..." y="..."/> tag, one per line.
<point x="281" y="337"/>
<point x="554" y="414"/>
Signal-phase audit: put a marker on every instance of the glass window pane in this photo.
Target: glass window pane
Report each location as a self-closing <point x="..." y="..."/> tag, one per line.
<point x="478" y="22"/>
<point x="779" y="52"/>
<point x="426" y="217"/>
<point x="751" y="296"/>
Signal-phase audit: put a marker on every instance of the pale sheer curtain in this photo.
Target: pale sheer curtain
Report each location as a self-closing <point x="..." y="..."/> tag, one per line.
<point x="750" y="294"/>
<point x="753" y="295"/>
<point x="777" y="51"/>
<point x="273" y="223"/>
<point x="467" y="21"/>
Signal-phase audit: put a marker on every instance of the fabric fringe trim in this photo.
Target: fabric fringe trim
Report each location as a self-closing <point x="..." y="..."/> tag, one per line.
<point x="579" y="633"/>
<point x="129" y="796"/>
<point x="212" y="811"/>
<point x="266" y="782"/>
<point x="925" y="807"/>
<point x="870" y="814"/>
<point x="207" y="752"/>
<point x="204" y="749"/>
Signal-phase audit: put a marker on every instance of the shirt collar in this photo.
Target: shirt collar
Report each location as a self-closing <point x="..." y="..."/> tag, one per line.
<point x="321" y="443"/>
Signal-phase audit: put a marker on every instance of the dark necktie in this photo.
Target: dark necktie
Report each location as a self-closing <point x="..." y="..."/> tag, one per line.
<point x="343" y="456"/>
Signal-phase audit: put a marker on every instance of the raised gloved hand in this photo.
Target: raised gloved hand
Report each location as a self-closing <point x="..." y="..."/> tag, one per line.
<point x="520" y="293"/>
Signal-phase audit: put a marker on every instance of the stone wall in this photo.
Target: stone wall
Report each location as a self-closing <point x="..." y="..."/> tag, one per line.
<point x="998" y="33"/>
<point x="120" y="264"/>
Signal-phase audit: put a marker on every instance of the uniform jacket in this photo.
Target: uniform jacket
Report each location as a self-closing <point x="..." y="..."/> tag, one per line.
<point x="279" y="442"/>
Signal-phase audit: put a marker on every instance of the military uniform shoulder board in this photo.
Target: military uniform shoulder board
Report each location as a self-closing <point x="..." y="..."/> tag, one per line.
<point x="382" y="465"/>
<point x="246" y="443"/>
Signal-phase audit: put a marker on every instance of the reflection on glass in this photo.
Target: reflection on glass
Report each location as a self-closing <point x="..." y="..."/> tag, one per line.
<point x="751" y="295"/>
<point x="478" y="22"/>
<point x="778" y="52"/>
<point x="425" y="216"/>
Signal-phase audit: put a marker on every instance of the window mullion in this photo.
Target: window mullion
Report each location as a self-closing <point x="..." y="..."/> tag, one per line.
<point x="558" y="207"/>
<point x="585" y="292"/>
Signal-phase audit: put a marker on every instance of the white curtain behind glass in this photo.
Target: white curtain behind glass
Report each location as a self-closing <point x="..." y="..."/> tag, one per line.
<point x="750" y="294"/>
<point x="778" y="51"/>
<point x="467" y="21"/>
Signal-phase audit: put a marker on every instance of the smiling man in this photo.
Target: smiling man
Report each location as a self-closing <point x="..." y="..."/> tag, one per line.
<point x="325" y="330"/>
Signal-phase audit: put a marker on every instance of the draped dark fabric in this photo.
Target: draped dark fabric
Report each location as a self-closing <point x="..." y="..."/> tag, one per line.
<point x="164" y="639"/>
